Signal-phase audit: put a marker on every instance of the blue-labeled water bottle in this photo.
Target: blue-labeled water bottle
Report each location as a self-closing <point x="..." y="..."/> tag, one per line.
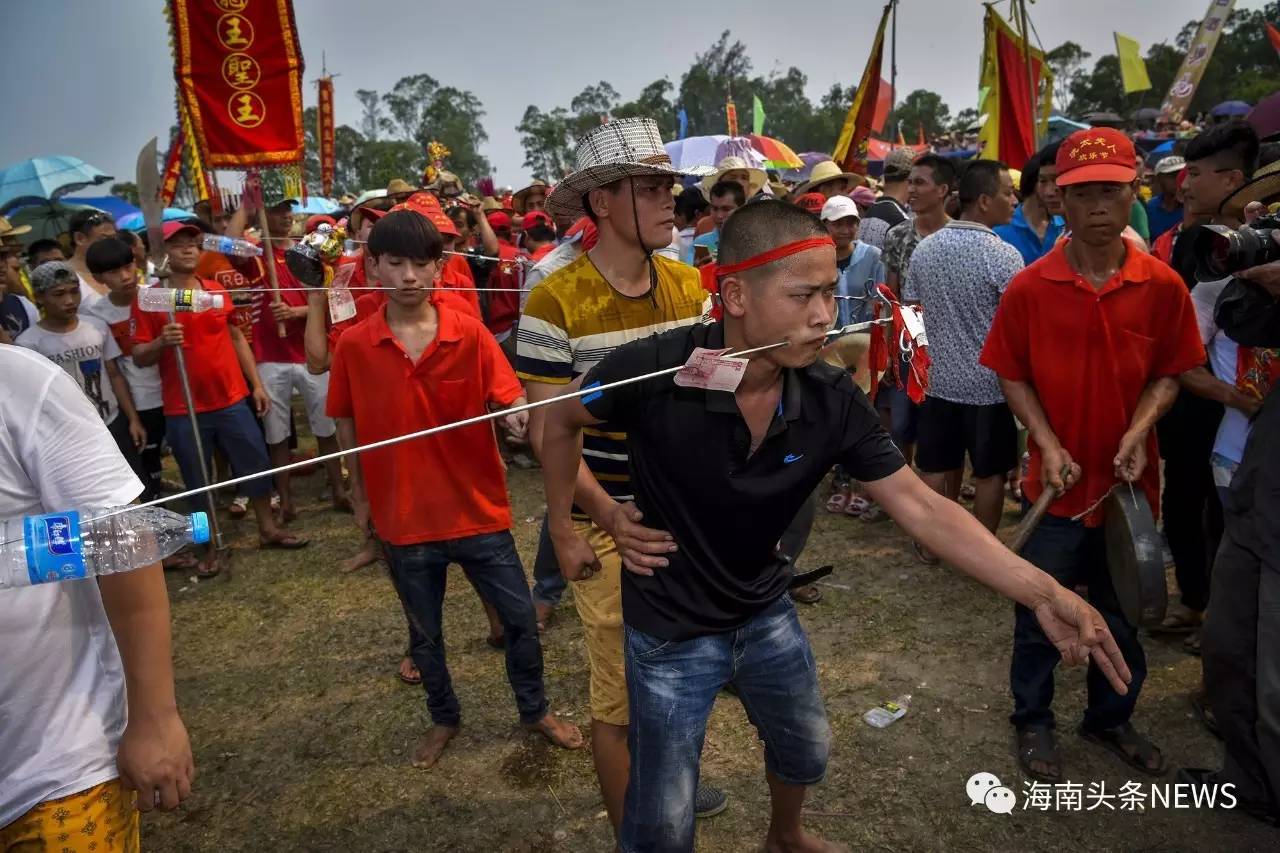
<point x="230" y="246"/>
<point x="86" y="543"/>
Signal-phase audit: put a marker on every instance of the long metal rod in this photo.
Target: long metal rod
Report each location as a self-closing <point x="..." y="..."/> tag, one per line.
<point x="893" y="72"/>
<point x="388" y="442"/>
<point x="1032" y="94"/>
<point x="456" y="289"/>
<point x="199" y="442"/>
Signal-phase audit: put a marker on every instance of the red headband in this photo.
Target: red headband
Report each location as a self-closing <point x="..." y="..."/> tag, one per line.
<point x="768" y="257"/>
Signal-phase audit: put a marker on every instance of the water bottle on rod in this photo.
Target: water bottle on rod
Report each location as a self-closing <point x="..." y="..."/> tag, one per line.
<point x="162" y="300"/>
<point x="81" y="543"/>
<point x="230" y="246"/>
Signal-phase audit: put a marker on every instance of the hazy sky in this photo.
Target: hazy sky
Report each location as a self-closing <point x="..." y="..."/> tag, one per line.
<point x="94" y="79"/>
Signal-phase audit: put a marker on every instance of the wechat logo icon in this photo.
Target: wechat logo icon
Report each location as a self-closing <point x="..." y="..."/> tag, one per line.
<point x="984" y="789"/>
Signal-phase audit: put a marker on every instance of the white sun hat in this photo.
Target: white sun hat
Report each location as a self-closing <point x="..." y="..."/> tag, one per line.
<point x="623" y="148"/>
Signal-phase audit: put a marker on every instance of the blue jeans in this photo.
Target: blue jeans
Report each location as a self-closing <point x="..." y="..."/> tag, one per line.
<point x="1073" y="555"/>
<point x="672" y="685"/>
<point x="233" y="430"/>
<point x="548" y="583"/>
<point x="419" y="573"/>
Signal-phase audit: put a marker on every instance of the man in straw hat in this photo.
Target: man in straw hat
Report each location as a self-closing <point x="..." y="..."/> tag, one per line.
<point x="829" y="179"/>
<point x="617" y="291"/>
<point x="532" y="197"/>
<point x="722" y="473"/>
<point x="736" y="170"/>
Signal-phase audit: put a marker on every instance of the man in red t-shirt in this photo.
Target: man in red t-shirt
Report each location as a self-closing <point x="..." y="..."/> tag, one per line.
<point x="440" y="499"/>
<point x="282" y="364"/>
<point x="217" y="359"/>
<point x="1088" y="342"/>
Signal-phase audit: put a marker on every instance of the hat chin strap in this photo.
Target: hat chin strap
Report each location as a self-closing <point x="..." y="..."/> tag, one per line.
<point x="648" y="253"/>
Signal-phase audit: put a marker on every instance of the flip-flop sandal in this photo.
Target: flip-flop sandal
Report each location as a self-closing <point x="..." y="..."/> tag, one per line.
<point x="874" y="514"/>
<point x="1037" y="743"/>
<point x="414" y="679"/>
<point x="1191" y="645"/>
<point x="184" y="562"/>
<point x="857" y="506"/>
<point x="968" y="492"/>
<point x="209" y="570"/>
<point x="1200" y="705"/>
<point x="288" y="542"/>
<point x="237" y="511"/>
<point x="837" y="502"/>
<point x="1177" y="623"/>
<point x="1115" y="739"/>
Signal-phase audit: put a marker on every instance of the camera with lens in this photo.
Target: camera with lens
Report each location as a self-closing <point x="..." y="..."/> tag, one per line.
<point x="1221" y="251"/>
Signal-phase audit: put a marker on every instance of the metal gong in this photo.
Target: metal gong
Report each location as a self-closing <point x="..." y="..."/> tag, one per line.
<point x="1135" y="557"/>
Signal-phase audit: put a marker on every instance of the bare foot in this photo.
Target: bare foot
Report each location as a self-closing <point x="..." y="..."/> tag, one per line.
<point x="562" y="734"/>
<point x="802" y="843"/>
<point x="543" y="613"/>
<point x="366" y="556"/>
<point x="429" y="749"/>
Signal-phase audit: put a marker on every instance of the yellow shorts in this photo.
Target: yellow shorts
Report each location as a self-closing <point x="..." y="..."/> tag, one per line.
<point x="101" y="819"/>
<point x="599" y="603"/>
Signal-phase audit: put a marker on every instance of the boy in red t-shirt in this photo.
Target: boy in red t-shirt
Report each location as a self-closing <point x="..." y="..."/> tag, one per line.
<point x="441" y="499"/>
<point x="218" y="359"/>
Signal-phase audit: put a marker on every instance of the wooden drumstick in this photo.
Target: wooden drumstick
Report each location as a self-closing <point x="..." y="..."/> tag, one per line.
<point x="1029" y="522"/>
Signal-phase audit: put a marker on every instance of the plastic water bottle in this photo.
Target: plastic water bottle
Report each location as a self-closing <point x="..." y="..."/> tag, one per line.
<point x="230" y="246"/>
<point x="162" y="300"/>
<point x="883" y="716"/>
<point x="81" y="544"/>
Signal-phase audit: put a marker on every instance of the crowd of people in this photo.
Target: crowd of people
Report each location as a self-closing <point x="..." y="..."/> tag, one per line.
<point x="1066" y="329"/>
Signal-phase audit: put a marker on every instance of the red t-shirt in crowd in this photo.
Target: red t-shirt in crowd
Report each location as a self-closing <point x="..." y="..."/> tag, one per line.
<point x="504" y="307"/>
<point x="268" y="346"/>
<point x="1089" y="354"/>
<point x="212" y="367"/>
<point x="456" y="275"/>
<point x="445" y="486"/>
<point x="236" y="274"/>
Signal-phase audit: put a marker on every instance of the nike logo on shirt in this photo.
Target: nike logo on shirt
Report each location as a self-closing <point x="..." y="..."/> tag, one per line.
<point x="791" y="457"/>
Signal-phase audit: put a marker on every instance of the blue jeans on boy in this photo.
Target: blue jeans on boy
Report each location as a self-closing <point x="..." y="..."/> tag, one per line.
<point x="1073" y="555"/>
<point x="419" y="573"/>
<point x="671" y="686"/>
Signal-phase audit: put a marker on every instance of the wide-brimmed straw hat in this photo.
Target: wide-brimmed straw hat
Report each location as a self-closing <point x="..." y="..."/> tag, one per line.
<point x="825" y="172"/>
<point x="735" y="164"/>
<point x="623" y="148"/>
<point x="536" y="184"/>
<point x="1264" y="186"/>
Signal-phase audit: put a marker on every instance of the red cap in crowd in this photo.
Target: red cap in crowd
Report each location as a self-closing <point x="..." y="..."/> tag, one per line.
<point x="320" y="219"/>
<point x="428" y="205"/>
<point x="1100" y="154"/>
<point x="535" y="217"/>
<point x="173" y="228"/>
<point x="499" y="220"/>
<point x="812" y="202"/>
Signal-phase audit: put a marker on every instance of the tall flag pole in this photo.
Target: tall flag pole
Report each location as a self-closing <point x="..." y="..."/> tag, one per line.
<point x="1016" y="117"/>
<point x="1199" y="52"/>
<point x="851" y="148"/>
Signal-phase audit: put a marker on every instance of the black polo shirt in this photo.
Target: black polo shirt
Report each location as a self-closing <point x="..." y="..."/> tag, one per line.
<point x="692" y="476"/>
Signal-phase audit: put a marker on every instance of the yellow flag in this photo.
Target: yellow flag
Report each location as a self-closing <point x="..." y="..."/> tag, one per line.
<point x="1133" y="71"/>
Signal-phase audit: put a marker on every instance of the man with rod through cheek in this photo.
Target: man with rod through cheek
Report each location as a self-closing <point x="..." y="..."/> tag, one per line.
<point x="719" y="474"/>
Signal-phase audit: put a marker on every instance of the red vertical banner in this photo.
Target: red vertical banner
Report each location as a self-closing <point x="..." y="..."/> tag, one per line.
<point x="325" y="135"/>
<point x="239" y="72"/>
<point x="855" y="135"/>
<point x="731" y="116"/>
<point x="172" y="168"/>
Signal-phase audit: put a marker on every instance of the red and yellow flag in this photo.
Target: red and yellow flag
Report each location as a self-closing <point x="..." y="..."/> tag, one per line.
<point x="1273" y="36"/>
<point x="172" y="167"/>
<point x="851" y="147"/>
<point x="731" y="116"/>
<point x="325" y="135"/>
<point x="239" y="72"/>
<point x="1013" y="109"/>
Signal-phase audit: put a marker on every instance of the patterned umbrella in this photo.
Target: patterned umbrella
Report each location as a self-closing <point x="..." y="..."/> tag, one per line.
<point x="777" y="154"/>
<point x="809" y="159"/>
<point x="694" y="151"/>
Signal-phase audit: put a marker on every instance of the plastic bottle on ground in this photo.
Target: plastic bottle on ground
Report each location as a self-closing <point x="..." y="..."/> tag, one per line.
<point x="82" y="543"/>
<point x="883" y="716"/>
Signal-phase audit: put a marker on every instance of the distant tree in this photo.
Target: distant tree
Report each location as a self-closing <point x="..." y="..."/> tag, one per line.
<point x="126" y="190"/>
<point x="346" y="149"/>
<point x="920" y="108"/>
<point x="1067" y="62"/>
<point x="964" y="119"/>
<point x="420" y="110"/>
<point x="372" y="113"/>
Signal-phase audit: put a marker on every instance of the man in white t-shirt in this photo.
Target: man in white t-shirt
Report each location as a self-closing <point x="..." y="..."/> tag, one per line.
<point x="71" y="751"/>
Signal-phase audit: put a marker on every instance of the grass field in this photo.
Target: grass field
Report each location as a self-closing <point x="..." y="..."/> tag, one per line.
<point x="302" y="734"/>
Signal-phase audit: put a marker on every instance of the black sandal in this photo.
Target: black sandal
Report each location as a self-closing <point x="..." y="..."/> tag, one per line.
<point x="1037" y="743"/>
<point x="1204" y="713"/>
<point x="1116" y="738"/>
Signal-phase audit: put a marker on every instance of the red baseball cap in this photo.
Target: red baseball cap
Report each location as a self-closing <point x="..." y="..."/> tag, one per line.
<point x="812" y="202"/>
<point x="499" y="220"/>
<point x="535" y="217"/>
<point x="319" y="219"/>
<point x="173" y="228"/>
<point x="1100" y="154"/>
<point x="428" y="205"/>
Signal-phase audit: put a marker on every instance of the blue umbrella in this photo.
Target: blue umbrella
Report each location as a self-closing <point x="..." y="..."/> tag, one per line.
<point x="1230" y="108"/>
<point x="316" y="204"/>
<point x="135" y="222"/>
<point x="110" y="204"/>
<point x="46" y="178"/>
